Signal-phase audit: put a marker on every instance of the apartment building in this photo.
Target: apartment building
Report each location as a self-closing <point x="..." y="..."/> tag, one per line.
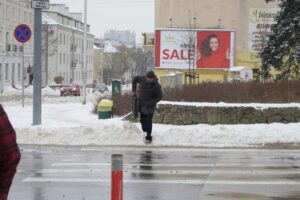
<point x="124" y="37"/>
<point x="63" y="44"/>
<point x="249" y="20"/>
<point x="12" y="14"/>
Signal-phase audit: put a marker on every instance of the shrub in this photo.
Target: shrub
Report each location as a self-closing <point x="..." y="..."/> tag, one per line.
<point x="58" y="79"/>
<point x="122" y="104"/>
<point x="237" y="92"/>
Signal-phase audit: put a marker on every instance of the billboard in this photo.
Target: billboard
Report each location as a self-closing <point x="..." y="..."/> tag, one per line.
<point x="260" y="22"/>
<point x="175" y="49"/>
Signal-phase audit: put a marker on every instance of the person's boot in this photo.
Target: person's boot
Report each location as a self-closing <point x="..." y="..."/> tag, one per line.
<point x="148" y="139"/>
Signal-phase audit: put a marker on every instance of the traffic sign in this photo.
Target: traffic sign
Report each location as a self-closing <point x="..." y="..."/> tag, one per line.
<point x="22" y="33"/>
<point x="43" y="4"/>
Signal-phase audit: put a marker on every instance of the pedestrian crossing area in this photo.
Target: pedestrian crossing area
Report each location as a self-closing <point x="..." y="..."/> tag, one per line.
<point x="214" y="173"/>
<point x="149" y="170"/>
<point x="180" y="174"/>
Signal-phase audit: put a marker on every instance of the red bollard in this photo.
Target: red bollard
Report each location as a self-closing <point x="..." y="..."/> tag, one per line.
<point x="117" y="177"/>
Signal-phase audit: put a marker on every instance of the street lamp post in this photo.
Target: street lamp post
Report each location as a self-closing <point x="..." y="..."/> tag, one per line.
<point x="84" y="53"/>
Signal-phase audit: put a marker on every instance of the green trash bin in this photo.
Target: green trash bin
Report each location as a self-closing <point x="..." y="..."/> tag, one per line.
<point x="116" y="88"/>
<point x="105" y="109"/>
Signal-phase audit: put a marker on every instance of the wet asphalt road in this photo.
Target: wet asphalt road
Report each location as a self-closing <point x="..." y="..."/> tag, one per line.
<point x="83" y="173"/>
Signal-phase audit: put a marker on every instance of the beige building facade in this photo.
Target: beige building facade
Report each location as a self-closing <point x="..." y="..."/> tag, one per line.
<point x="12" y="14"/>
<point x="249" y="19"/>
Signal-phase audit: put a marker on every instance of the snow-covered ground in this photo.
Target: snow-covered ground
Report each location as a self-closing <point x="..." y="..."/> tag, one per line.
<point x="66" y="121"/>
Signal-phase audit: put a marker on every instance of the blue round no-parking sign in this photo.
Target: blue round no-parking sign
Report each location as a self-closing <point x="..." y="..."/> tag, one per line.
<point x="22" y="33"/>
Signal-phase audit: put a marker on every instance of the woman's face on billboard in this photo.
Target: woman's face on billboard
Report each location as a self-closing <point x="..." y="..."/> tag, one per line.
<point x="214" y="43"/>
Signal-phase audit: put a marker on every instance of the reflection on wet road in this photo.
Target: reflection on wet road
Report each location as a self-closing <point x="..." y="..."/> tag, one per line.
<point x="83" y="173"/>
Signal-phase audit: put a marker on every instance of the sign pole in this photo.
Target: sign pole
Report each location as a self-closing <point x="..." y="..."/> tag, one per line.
<point x="38" y="5"/>
<point x="37" y="72"/>
<point x="22" y="34"/>
<point x="23" y="72"/>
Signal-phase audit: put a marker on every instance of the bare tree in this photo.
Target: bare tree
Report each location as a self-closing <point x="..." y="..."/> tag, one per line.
<point x="144" y="61"/>
<point x="126" y="63"/>
<point x="49" y="45"/>
<point x="188" y="43"/>
<point x="124" y="60"/>
<point x="108" y="68"/>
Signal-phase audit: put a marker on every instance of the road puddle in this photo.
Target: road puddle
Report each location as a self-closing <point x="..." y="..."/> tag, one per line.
<point x="246" y="196"/>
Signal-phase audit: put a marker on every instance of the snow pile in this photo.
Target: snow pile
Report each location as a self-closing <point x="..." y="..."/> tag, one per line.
<point x="75" y="124"/>
<point x="66" y="121"/>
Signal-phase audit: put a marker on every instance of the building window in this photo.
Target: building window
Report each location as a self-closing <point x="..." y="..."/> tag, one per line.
<point x="30" y="18"/>
<point x="13" y="72"/>
<point x="19" y="71"/>
<point x="7" y="12"/>
<point x="1" y="40"/>
<point x="59" y="19"/>
<point x="1" y="75"/>
<point x="25" y="16"/>
<point x="1" y="11"/>
<point x="20" y="15"/>
<point x="15" y="14"/>
<point x="60" y="58"/>
<point x="6" y="72"/>
<point x="21" y="48"/>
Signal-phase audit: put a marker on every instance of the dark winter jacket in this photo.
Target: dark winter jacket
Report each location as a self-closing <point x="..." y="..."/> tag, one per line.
<point x="9" y="154"/>
<point x="150" y="93"/>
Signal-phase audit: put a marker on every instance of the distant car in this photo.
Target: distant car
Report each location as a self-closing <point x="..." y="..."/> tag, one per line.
<point x="68" y="89"/>
<point x="100" y="88"/>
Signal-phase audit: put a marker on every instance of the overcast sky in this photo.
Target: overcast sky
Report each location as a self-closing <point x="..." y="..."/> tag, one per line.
<point x="103" y="15"/>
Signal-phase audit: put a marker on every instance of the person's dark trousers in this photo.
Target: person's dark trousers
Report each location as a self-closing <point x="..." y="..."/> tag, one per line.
<point x="146" y="121"/>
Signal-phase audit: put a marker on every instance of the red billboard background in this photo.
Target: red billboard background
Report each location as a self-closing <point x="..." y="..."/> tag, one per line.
<point x="217" y="58"/>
